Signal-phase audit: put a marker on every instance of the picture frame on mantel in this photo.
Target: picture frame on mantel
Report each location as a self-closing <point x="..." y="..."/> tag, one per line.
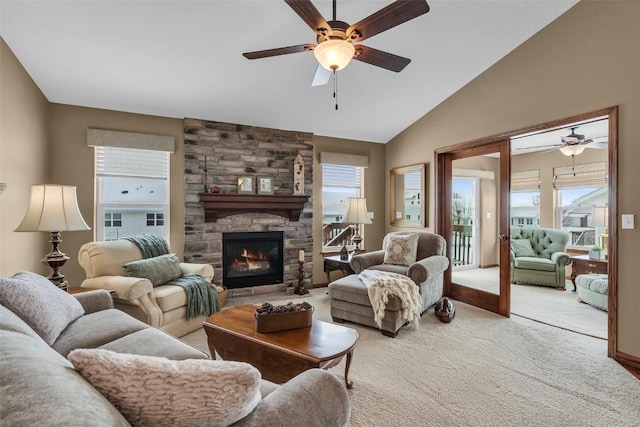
<point x="246" y="184"/>
<point x="264" y="185"/>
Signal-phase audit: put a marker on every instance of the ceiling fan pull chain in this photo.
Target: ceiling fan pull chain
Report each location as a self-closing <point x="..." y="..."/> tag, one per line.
<point x="335" y="87"/>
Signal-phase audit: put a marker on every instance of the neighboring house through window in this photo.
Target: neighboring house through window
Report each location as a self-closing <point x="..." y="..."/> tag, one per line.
<point x="525" y="198"/>
<point x="580" y="189"/>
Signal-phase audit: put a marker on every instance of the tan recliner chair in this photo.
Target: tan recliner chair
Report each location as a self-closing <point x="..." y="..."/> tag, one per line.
<point x="163" y="306"/>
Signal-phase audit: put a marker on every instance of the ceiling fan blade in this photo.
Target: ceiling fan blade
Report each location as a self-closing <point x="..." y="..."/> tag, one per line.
<point x="278" y="51"/>
<point x="380" y="58"/>
<point x="309" y="14"/>
<point x="321" y="76"/>
<point x="541" y="146"/>
<point x="388" y="17"/>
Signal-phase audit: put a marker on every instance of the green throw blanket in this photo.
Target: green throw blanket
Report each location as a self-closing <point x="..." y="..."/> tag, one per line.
<point x="202" y="298"/>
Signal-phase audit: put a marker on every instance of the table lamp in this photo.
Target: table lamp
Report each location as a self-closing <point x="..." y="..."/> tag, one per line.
<point x="53" y="208"/>
<point x="356" y="214"/>
<point x="600" y="218"/>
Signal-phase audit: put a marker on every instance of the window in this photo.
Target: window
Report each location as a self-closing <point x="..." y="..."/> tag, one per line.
<point x="525" y="198"/>
<point x="339" y="182"/>
<point x="112" y="219"/>
<point x="155" y="219"/>
<point x="132" y="192"/>
<point x="580" y="191"/>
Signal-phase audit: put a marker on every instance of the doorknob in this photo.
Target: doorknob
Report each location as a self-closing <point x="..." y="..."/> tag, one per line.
<point x="502" y="236"/>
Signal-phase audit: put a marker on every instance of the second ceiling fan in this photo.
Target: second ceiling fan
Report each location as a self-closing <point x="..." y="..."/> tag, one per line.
<point x="335" y="39"/>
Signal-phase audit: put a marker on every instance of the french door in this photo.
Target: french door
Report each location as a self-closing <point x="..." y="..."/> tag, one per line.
<point x="464" y="228"/>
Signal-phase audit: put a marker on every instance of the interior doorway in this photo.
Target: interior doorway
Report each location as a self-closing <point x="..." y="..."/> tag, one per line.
<point x="559" y="216"/>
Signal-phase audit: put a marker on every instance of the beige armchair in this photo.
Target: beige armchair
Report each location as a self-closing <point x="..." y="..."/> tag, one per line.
<point x="162" y="306"/>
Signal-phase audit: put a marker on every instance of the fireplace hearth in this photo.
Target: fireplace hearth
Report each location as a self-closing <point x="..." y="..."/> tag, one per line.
<point x="252" y="259"/>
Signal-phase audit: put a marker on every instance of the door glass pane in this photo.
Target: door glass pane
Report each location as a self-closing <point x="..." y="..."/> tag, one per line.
<point x="474" y="246"/>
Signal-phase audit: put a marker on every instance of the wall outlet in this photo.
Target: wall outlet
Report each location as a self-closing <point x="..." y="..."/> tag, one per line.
<point x="398" y="215"/>
<point x="627" y="221"/>
<point x="370" y="214"/>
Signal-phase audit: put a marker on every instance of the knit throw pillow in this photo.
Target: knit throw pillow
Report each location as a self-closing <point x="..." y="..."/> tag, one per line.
<point x="400" y="249"/>
<point x="47" y="309"/>
<point x="155" y="391"/>
<point x="159" y="270"/>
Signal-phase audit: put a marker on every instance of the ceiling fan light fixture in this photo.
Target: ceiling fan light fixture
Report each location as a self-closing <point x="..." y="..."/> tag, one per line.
<point x="572" y="150"/>
<point x="334" y="54"/>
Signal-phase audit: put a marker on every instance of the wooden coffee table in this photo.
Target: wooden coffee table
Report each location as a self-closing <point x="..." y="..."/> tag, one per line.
<point x="279" y="356"/>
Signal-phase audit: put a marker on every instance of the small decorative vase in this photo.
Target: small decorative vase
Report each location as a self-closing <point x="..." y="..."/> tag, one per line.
<point x="445" y="310"/>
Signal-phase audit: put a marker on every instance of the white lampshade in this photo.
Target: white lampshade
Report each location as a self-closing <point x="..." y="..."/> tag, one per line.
<point x="53" y="208"/>
<point x="334" y="54"/>
<point x="356" y="211"/>
<point x="572" y="150"/>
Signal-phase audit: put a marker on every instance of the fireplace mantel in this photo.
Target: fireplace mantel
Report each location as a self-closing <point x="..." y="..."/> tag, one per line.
<point x="220" y="205"/>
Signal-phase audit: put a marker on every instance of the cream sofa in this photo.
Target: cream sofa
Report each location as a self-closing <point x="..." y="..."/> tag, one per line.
<point x="162" y="306"/>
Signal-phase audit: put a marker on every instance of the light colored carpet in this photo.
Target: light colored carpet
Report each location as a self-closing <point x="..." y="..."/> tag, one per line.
<point x="479" y="370"/>
<point x="548" y="305"/>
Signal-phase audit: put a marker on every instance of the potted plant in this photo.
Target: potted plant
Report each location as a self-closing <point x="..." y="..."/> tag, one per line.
<point x="596" y="252"/>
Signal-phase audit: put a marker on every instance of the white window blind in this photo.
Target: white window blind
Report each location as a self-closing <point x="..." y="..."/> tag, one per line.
<point x="341" y="176"/>
<point x="525" y="181"/>
<point x="131" y="162"/>
<point x="580" y="176"/>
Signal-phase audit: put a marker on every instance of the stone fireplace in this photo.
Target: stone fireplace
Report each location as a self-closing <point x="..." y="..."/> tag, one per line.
<point x="232" y="150"/>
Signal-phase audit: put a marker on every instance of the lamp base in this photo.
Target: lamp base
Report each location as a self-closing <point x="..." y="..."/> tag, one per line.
<point x="56" y="259"/>
<point x="356" y="239"/>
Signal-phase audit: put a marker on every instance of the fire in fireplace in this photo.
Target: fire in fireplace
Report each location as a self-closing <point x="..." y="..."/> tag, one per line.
<point x="252" y="259"/>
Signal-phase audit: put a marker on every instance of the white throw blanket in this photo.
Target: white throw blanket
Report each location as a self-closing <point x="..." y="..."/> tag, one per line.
<point x="382" y="284"/>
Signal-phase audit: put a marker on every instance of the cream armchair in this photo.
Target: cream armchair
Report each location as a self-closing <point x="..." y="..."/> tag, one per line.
<point x="162" y="306"/>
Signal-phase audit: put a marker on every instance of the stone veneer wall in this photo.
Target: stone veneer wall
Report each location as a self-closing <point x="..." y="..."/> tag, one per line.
<point x="233" y="150"/>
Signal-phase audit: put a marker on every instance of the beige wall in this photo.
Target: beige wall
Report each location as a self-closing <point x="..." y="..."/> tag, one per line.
<point x="584" y="61"/>
<point x="23" y="162"/>
<point x="374" y="182"/>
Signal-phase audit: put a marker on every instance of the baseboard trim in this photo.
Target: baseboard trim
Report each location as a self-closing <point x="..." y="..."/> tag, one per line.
<point x="488" y="266"/>
<point x="627" y="360"/>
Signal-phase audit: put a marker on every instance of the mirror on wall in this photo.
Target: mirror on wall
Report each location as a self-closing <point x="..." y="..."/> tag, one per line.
<point x="408" y="199"/>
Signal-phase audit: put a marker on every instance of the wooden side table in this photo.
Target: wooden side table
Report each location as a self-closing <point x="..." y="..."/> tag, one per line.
<point x="582" y="264"/>
<point x="334" y="263"/>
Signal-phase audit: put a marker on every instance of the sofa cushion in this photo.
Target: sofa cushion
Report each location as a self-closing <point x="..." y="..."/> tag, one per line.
<point x="40" y="387"/>
<point x="159" y="270"/>
<point x="522" y="247"/>
<point x="96" y="329"/>
<point x="534" y="263"/>
<point x="170" y="297"/>
<point x="154" y="391"/>
<point x="43" y="306"/>
<point x="400" y="249"/>
<point x="154" y="342"/>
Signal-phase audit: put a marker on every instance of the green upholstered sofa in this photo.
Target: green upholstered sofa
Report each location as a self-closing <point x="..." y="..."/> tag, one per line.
<point x="538" y="256"/>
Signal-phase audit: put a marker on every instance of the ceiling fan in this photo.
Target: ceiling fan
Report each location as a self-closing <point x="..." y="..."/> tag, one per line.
<point x="335" y="39"/>
<point x="573" y="144"/>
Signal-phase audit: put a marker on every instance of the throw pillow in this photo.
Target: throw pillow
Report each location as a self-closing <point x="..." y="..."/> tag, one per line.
<point x="155" y="391"/>
<point x="47" y="309"/>
<point x="400" y="249"/>
<point x="522" y="247"/>
<point x="159" y="270"/>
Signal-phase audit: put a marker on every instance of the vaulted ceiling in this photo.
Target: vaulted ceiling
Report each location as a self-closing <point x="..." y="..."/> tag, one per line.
<point x="184" y="59"/>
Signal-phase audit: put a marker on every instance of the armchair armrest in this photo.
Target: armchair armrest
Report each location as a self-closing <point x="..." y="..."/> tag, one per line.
<point x="296" y="403"/>
<point x="363" y="261"/>
<point x="431" y="266"/>
<point x="561" y="258"/>
<point x="93" y="301"/>
<point x="126" y="288"/>
<point x="202" y="270"/>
